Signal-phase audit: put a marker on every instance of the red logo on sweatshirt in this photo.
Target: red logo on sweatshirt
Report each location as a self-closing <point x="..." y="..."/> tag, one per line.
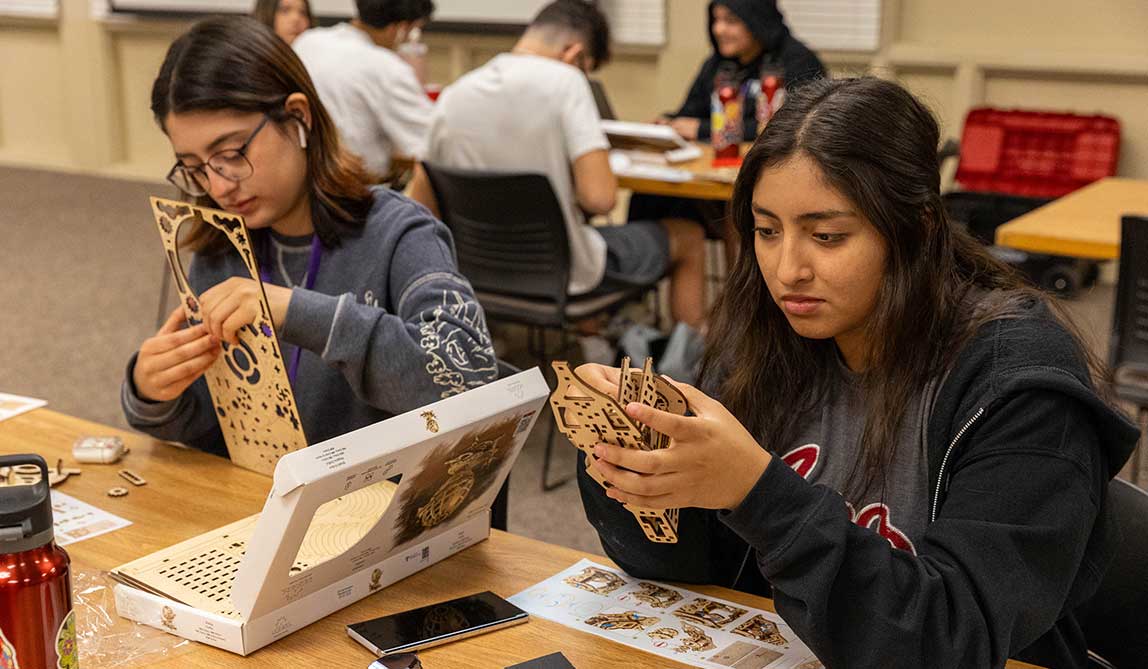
<point x="875" y="516"/>
<point x="803" y="459"/>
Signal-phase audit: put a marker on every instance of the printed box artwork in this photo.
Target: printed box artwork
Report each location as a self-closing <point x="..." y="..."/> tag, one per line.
<point x="344" y="519"/>
<point x="665" y="620"/>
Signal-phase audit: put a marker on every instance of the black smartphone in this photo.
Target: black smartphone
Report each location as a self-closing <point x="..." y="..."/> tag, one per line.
<point x="436" y="624"/>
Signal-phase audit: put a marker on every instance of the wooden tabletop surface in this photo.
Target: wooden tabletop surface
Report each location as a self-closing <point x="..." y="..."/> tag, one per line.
<point x="189" y="492"/>
<point x="708" y="183"/>
<point x="1083" y="224"/>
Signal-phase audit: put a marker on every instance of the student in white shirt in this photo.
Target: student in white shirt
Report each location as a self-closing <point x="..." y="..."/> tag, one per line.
<point x="372" y="94"/>
<point x="531" y="110"/>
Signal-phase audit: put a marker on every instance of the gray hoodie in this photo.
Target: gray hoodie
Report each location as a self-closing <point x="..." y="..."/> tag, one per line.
<point x="390" y="325"/>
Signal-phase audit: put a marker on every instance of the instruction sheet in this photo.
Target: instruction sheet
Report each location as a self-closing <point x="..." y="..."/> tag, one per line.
<point x="666" y="620"/>
<point x="75" y="520"/>
<point x="14" y="405"/>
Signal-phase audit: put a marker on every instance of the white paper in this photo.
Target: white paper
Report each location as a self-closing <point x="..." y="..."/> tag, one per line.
<point x="75" y="521"/>
<point x="14" y="405"/>
<point x="730" y="634"/>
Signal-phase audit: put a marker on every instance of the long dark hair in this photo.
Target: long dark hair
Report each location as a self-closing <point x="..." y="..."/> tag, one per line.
<point x="877" y="145"/>
<point x="265" y="10"/>
<point x="239" y="64"/>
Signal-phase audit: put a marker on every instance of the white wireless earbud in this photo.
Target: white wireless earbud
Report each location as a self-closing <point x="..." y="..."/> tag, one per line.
<point x="302" y="136"/>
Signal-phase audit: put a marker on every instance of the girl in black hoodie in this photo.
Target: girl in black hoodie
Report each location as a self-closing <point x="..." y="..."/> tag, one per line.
<point x="897" y="438"/>
<point x="747" y="36"/>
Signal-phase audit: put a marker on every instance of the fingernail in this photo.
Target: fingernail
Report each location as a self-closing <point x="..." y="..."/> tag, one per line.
<point x="599" y="450"/>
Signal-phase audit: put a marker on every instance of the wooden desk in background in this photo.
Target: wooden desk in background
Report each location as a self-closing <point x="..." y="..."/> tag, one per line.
<point x="1082" y="224"/>
<point x="704" y="186"/>
<point x="189" y="492"/>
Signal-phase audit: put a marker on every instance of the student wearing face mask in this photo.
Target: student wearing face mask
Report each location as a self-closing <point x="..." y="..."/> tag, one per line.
<point x="288" y="18"/>
<point x="362" y="285"/>
<point x="372" y="93"/>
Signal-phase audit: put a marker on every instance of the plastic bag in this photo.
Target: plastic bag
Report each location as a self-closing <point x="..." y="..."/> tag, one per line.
<point x="105" y="639"/>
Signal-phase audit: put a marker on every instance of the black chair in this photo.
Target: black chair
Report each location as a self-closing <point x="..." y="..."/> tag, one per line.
<point x="1115" y="620"/>
<point x="510" y="235"/>
<point x="1128" y="346"/>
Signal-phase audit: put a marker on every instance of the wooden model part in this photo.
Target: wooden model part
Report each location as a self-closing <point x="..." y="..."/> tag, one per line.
<point x="588" y="417"/>
<point x="21" y="475"/>
<point x="248" y="383"/>
<point x="200" y="572"/>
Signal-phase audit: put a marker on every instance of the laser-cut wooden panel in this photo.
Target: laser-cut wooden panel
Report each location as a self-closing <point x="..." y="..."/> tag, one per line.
<point x="248" y="383"/>
<point x="588" y="417"/>
<point x="200" y="571"/>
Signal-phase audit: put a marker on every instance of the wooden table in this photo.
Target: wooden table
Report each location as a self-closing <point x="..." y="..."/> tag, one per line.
<point x="704" y="185"/>
<point x="189" y="492"/>
<point x="1082" y="224"/>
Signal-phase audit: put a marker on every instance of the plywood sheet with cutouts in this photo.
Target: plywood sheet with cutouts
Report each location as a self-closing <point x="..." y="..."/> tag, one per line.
<point x="248" y="383"/>
<point x="200" y="572"/>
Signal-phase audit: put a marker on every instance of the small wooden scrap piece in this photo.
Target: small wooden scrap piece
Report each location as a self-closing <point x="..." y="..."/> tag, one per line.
<point x="132" y="477"/>
<point x="117" y="491"/>
<point x="30" y="474"/>
<point x="60" y="474"/>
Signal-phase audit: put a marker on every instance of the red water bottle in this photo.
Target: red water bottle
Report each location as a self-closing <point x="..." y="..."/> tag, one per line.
<point x="37" y="625"/>
<point x="726" y="126"/>
<point x="770" y="97"/>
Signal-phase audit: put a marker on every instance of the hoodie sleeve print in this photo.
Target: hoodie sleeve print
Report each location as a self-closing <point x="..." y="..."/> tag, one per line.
<point x="435" y="344"/>
<point x="992" y="572"/>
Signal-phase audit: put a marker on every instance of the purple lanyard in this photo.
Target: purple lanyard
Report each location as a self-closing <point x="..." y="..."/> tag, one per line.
<point x="308" y="284"/>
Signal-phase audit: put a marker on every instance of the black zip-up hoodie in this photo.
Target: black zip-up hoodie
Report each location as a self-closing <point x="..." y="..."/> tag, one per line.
<point x="1020" y="450"/>
<point x="780" y="50"/>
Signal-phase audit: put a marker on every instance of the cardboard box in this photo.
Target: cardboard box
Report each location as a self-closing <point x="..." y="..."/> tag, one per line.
<point x="344" y="519"/>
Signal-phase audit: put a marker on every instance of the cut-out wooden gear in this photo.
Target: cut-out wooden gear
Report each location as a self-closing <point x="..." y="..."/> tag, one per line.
<point x="588" y="417"/>
<point x="248" y="383"/>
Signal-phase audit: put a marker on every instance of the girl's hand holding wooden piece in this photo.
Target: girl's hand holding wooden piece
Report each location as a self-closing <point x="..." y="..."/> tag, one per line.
<point x="233" y="304"/>
<point x="173" y="359"/>
<point x="712" y="462"/>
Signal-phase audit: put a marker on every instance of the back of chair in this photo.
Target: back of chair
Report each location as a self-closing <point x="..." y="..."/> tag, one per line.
<point x="508" y="229"/>
<point x="1129" y="343"/>
<point x="1115" y="621"/>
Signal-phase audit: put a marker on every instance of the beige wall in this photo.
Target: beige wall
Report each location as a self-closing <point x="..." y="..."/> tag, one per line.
<point x="74" y="92"/>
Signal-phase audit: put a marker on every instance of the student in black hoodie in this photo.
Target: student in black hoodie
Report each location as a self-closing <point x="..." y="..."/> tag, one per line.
<point x="907" y="448"/>
<point x="747" y="36"/>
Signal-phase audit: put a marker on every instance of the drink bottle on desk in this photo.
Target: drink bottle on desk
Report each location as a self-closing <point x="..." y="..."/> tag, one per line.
<point x="726" y="125"/>
<point x="770" y="97"/>
<point x="37" y="625"/>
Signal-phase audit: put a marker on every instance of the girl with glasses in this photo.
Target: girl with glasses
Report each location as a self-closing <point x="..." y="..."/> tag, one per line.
<point x="361" y="281"/>
<point x="899" y="440"/>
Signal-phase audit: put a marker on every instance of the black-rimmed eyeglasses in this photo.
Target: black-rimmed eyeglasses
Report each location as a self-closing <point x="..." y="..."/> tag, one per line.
<point x="231" y="164"/>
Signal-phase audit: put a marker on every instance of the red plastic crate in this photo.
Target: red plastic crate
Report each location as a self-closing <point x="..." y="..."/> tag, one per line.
<point x="1038" y="154"/>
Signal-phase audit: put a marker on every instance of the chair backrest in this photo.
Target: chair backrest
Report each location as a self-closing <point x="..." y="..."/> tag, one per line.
<point x="1115" y="620"/>
<point x="1128" y="349"/>
<point x="605" y="109"/>
<point x="509" y="231"/>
